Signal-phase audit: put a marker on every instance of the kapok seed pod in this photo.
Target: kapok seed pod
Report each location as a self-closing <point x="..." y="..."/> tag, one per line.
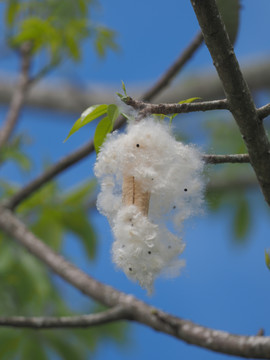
<point x="132" y="194"/>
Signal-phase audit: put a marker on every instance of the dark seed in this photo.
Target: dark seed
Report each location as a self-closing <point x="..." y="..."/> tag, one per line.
<point x="169" y="247"/>
<point x="185" y="189"/>
<point x="138" y="145"/>
<point x="174" y="207"/>
<point x="130" y="269"/>
<point x="149" y="252"/>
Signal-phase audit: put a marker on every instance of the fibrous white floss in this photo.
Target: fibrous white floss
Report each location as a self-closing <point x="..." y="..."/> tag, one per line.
<point x="149" y="182"/>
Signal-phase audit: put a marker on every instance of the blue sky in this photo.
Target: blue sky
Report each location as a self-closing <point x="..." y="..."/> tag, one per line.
<point x="224" y="285"/>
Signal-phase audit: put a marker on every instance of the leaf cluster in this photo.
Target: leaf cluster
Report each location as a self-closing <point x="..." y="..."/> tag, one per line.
<point x="106" y="124"/>
<point x="13" y="151"/>
<point x="26" y="286"/>
<point x="56" y="27"/>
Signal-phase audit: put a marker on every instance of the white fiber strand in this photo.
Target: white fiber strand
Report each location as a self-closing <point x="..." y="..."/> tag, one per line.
<point x="148" y="180"/>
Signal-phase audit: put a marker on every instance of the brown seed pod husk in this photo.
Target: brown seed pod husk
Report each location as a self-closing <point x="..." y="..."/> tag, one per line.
<point x="133" y="194"/>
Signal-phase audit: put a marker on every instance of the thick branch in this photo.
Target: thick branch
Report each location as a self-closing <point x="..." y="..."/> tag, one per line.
<point x="18" y="97"/>
<point x="136" y="310"/>
<point x="206" y="84"/>
<point x="236" y="90"/>
<point x="82" y="321"/>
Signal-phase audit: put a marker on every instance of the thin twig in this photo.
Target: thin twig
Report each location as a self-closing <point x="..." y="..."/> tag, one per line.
<point x="43" y="72"/>
<point x="73" y="158"/>
<point x="18" y="97"/>
<point x="64" y="96"/>
<point x="49" y="174"/>
<point x="166" y="109"/>
<point x="222" y="159"/>
<point x="136" y="310"/>
<point x="236" y="90"/>
<point x="264" y="111"/>
<point x="174" y="69"/>
<point x="83" y="321"/>
<point x="213" y="160"/>
<point x="88" y="148"/>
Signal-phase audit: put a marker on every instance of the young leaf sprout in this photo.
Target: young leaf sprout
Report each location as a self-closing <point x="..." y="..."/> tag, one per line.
<point x="150" y="183"/>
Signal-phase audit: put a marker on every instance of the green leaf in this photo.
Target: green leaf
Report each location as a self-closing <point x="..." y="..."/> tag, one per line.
<point x="214" y="199"/>
<point x="230" y="11"/>
<point x="32" y="344"/>
<point x="190" y="100"/>
<point x="57" y="29"/>
<point x="90" y="114"/>
<point x="36" y="30"/>
<point x="103" y="128"/>
<point x="52" y="234"/>
<point x="120" y="96"/>
<point x="76" y="126"/>
<point x="77" y="222"/>
<point x="267" y="258"/>
<point x="9" y="344"/>
<point x="13" y="151"/>
<point x="13" y="7"/>
<point x="105" y="39"/>
<point x="124" y="88"/>
<point x="93" y="112"/>
<point x="242" y="218"/>
<point x="77" y="196"/>
<point x="128" y="117"/>
<point x="171" y="117"/>
<point x="113" y="113"/>
<point x="67" y="350"/>
<point x="73" y="47"/>
<point x="45" y="196"/>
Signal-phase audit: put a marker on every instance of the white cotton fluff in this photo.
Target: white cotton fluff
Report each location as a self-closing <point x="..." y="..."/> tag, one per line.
<point x="171" y="173"/>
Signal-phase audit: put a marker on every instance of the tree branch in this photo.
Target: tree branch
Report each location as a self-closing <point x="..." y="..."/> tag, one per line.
<point x="236" y="90"/>
<point x="222" y="159"/>
<point x="83" y="321"/>
<point x="80" y="154"/>
<point x="18" y="97"/>
<point x="206" y="84"/>
<point x="49" y="174"/>
<point x="62" y="96"/>
<point x="136" y="310"/>
<point x="87" y="149"/>
<point x="264" y="111"/>
<point x="166" y="109"/>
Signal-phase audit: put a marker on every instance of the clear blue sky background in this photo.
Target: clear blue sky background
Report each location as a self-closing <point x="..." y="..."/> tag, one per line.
<point x="224" y="285"/>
